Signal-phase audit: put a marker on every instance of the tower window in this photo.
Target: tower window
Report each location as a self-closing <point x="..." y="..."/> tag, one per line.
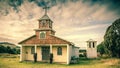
<point x="93" y="45"/>
<point x="43" y="24"/>
<point x="42" y="35"/>
<point x="59" y="51"/>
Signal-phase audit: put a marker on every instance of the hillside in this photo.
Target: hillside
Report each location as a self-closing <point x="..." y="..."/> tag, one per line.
<point x="6" y="47"/>
<point x="8" y="44"/>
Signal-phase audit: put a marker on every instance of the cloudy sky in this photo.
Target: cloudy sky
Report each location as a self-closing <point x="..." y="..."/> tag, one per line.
<point x="74" y="20"/>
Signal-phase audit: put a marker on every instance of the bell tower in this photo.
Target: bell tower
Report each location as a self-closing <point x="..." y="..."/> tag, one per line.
<point x="45" y="22"/>
<point x="91" y="49"/>
<point x="44" y="26"/>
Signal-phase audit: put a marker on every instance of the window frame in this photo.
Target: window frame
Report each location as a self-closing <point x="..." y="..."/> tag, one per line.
<point x="59" y="50"/>
<point x="40" y="35"/>
<point x="32" y="50"/>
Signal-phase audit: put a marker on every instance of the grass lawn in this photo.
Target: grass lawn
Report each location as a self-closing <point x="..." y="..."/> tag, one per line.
<point x="13" y="62"/>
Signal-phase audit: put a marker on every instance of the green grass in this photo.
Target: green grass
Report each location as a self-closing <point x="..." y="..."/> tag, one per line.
<point x="13" y="62"/>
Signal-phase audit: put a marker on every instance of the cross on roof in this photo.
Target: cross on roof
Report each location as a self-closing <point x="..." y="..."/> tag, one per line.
<point x="45" y="9"/>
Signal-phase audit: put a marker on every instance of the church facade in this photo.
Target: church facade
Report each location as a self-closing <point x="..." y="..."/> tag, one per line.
<point x="44" y="42"/>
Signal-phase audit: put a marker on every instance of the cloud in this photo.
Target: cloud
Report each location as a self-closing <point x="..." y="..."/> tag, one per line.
<point x="74" y="20"/>
<point x="6" y="5"/>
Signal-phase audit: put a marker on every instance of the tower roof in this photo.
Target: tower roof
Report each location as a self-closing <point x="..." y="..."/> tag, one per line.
<point x="91" y="40"/>
<point x="44" y="17"/>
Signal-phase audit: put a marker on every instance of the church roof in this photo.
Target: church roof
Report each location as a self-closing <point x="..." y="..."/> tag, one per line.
<point x="44" y="17"/>
<point x="52" y="40"/>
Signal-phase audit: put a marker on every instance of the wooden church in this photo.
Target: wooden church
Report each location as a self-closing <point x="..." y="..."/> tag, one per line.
<point x="45" y="42"/>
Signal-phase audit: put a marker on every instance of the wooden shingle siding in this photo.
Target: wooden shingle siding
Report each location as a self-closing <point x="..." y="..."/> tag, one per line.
<point x="50" y="40"/>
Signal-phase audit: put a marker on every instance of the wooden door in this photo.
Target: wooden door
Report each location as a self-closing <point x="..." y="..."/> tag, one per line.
<point x="45" y="53"/>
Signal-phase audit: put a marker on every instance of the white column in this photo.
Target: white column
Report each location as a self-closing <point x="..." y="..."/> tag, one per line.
<point x="21" y="53"/>
<point x="35" y="48"/>
<point x="50" y="48"/>
<point x="68" y="51"/>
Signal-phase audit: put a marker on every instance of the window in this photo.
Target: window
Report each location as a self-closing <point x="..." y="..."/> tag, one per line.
<point x="43" y="24"/>
<point x="42" y="35"/>
<point x="93" y="44"/>
<point x="89" y="44"/>
<point x="59" y="51"/>
<point x="32" y="50"/>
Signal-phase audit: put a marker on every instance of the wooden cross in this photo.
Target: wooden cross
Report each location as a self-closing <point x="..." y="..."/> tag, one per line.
<point x="46" y="8"/>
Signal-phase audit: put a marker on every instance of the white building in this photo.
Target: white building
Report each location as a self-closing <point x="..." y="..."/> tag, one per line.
<point x="91" y="49"/>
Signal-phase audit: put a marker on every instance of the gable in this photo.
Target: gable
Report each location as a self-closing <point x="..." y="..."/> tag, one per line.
<point x="29" y="39"/>
<point x="51" y="40"/>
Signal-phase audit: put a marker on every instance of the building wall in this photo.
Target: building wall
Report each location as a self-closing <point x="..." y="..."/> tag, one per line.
<point x="76" y="52"/>
<point x="92" y="51"/>
<point x="70" y="53"/>
<point x="59" y="58"/>
<point x="39" y="53"/>
<point x="23" y="53"/>
<point x="28" y="55"/>
<point x="73" y="51"/>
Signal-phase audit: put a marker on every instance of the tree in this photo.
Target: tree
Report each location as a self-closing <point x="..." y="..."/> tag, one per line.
<point x="3" y="49"/>
<point x="101" y="49"/>
<point x="112" y="39"/>
<point x="14" y="51"/>
<point x="9" y="50"/>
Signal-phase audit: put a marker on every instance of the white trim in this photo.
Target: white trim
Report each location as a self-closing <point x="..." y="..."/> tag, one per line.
<point x="51" y="48"/>
<point x="44" y="44"/>
<point x="35" y="48"/>
<point x="68" y="51"/>
<point x="21" y="53"/>
<point x="40" y="33"/>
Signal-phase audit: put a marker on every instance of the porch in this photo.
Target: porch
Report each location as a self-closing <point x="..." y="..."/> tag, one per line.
<point x="43" y="52"/>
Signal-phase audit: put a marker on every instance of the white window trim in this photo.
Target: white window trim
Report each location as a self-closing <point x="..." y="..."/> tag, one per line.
<point x="40" y="33"/>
